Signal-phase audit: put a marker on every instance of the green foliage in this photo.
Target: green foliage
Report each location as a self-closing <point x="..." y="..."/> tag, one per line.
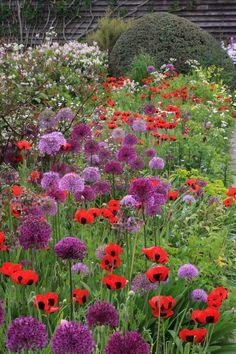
<point x="166" y="36"/>
<point x="138" y="67"/>
<point x="108" y="31"/>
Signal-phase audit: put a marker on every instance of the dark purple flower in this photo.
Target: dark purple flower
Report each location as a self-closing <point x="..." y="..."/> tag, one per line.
<point x="139" y="125"/>
<point x="49" y="206"/>
<point x="188" y="271"/>
<point x="149" y="109"/>
<point x="153" y="204"/>
<point x="91" y="174"/>
<point x="50" y="180"/>
<point x="102" y="313"/>
<point x="80" y="268"/>
<point x="88" y="194"/>
<point x="65" y="114"/>
<point x="70" y="248"/>
<point x="57" y="194"/>
<point x="199" y="295"/>
<point x="47" y="119"/>
<point x="202" y="183"/>
<point x="213" y="200"/>
<point x="130" y="139"/>
<point x="126" y="153"/>
<point x="34" y="233"/>
<point x="137" y="164"/>
<point x="51" y="143"/>
<point x="62" y="168"/>
<point x="129" y="343"/>
<point x="26" y="333"/>
<point x="71" y="182"/>
<point x="151" y="69"/>
<point x="104" y="155"/>
<point x="170" y="67"/>
<point x="103" y="187"/>
<point x="141" y="285"/>
<point x="118" y="134"/>
<point x="1" y="312"/>
<point x="75" y="145"/>
<point x="36" y="210"/>
<point x="72" y="338"/>
<point x="156" y="163"/>
<point x="182" y="189"/>
<point x="81" y="131"/>
<point x="91" y="147"/>
<point x="150" y="152"/>
<point x="189" y="199"/>
<point x="142" y="189"/>
<point x="128" y="201"/>
<point x="113" y="167"/>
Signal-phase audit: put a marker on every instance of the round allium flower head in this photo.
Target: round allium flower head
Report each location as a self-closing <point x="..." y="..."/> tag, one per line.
<point x="213" y="200"/>
<point x="80" y="268"/>
<point x="91" y="147"/>
<point x="1" y="312"/>
<point x="142" y="189"/>
<point x="150" y="152"/>
<point x="199" y="295"/>
<point x="102" y="313"/>
<point x="188" y="271"/>
<point x="81" y="131"/>
<point x="51" y="143"/>
<point x="113" y="167"/>
<point x="49" y="206"/>
<point x="189" y="199"/>
<point x="149" y="109"/>
<point x="50" y="180"/>
<point x="72" y="338"/>
<point x="71" y="182"/>
<point x="151" y="69"/>
<point x="57" y="194"/>
<point x="170" y="67"/>
<point x="103" y="187"/>
<point x="47" y="119"/>
<point x="137" y="164"/>
<point x="26" y="333"/>
<point x="91" y="174"/>
<point x="70" y="248"/>
<point x="65" y="114"/>
<point x="34" y="232"/>
<point x="128" y="201"/>
<point x="118" y="134"/>
<point x="126" y="153"/>
<point x="130" y="139"/>
<point x="141" y="285"/>
<point x="100" y="252"/>
<point x="156" y="163"/>
<point x="88" y="194"/>
<point x="139" y="125"/>
<point x="130" y="343"/>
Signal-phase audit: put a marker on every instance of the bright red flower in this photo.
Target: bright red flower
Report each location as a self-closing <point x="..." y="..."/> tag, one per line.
<point x="17" y="191"/>
<point x="95" y="212"/>
<point x="162" y="306"/>
<point x="209" y="315"/>
<point x="84" y="217"/>
<point x="47" y="302"/>
<point x="156" y="254"/>
<point x="231" y="192"/>
<point x="114" y="282"/>
<point x="193" y="335"/>
<point x="190" y="182"/>
<point x="172" y="195"/>
<point x="9" y="268"/>
<point x="80" y="296"/>
<point x="216" y="297"/>
<point x="227" y="202"/>
<point x="2" y="237"/>
<point x="106" y="213"/>
<point x="109" y="263"/>
<point x="24" y="144"/>
<point x="113" y="249"/>
<point x="25" y="277"/>
<point x="157" y="274"/>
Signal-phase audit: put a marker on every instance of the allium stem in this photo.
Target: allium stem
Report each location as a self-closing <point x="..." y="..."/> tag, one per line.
<point x="144" y="232"/>
<point x="113" y="186"/>
<point x="71" y="289"/>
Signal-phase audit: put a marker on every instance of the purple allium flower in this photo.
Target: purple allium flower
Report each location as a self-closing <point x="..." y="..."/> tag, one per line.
<point x="62" y="168"/>
<point x="91" y="174"/>
<point x="75" y="145"/>
<point x="142" y="189"/>
<point x="213" y="200"/>
<point x="170" y="67"/>
<point x="199" y="295"/>
<point x="47" y="119"/>
<point x="141" y="285"/>
<point x="26" y="333"/>
<point x="103" y="187"/>
<point x="188" y="271"/>
<point x="94" y="160"/>
<point x="36" y="210"/>
<point x="72" y="338"/>
<point x="34" y="233"/>
<point x="151" y="69"/>
<point x="202" y="183"/>
<point x="118" y="134"/>
<point x="189" y="199"/>
<point x="81" y="131"/>
<point x="71" y="182"/>
<point x="51" y="143"/>
<point x="153" y="205"/>
<point x="130" y="343"/>
<point x="102" y="313"/>
<point x="49" y="206"/>
<point x="137" y="164"/>
<point x="156" y="163"/>
<point x="80" y="268"/>
<point x="182" y="189"/>
<point x="88" y="194"/>
<point x="57" y="194"/>
<point x="104" y="155"/>
<point x="70" y="248"/>
<point x="50" y="180"/>
<point x="149" y="109"/>
<point x="130" y="139"/>
<point x="128" y="201"/>
<point x="91" y="146"/>
<point x="150" y="152"/>
<point x="139" y="125"/>
<point x="100" y="252"/>
<point x="126" y="153"/>
<point x="113" y="167"/>
<point x="65" y="114"/>
<point x="133" y="224"/>
<point x="1" y="312"/>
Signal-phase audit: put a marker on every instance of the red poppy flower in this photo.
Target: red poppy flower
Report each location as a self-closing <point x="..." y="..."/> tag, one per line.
<point x="109" y="263"/>
<point x="194" y="188"/>
<point x="209" y="315"/>
<point x="24" y="144"/>
<point x="216" y="297"/>
<point x="190" y="182"/>
<point x="162" y="306"/>
<point x="16" y="190"/>
<point x="95" y="211"/>
<point x="106" y="213"/>
<point x="35" y="175"/>
<point x="172" y="195"/>
<point x="9" y="268"/>
<point x="80" y="296"/>
<point x="231" y="192"/>
<point x="156" y="254"/>
<point x="114" y="206"/>
<point x="193" y="335"/>
<point x="113" y="249"/>
<point x="84" y="217"/>
<point x="2" y="237"/>
<point x="46" y="302"/>
<point x="157" y="274"/>
<point x="229" y="201"/>
<point x="114" y="282"/>
<point x="25" y="277"/>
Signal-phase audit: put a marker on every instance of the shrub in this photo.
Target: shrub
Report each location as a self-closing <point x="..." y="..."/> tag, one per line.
<point x="108" y="31"/>
<point x="166" y="36"/>
<point x="138" y="66"/>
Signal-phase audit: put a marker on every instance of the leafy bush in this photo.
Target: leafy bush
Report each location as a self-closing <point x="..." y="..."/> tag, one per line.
<point x="108" y="31"/>
<point x="166" y="36"/>
<point x="138" y="66"/>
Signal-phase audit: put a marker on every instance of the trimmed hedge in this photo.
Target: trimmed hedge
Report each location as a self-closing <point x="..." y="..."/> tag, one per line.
<point x="165" y="36"/>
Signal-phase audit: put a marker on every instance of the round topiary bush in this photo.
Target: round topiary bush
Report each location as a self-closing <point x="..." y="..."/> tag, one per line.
<point x="165" y="36"/>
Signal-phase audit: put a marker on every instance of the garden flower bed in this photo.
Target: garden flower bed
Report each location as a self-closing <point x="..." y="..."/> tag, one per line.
<point x="117" y="210"/>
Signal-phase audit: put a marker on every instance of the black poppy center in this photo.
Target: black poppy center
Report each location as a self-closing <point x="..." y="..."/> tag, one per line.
<point x="157" y="257"/>
<point x="157" y="276"/>
<point x="51" y="302"/>
<point x="20" y="279"/>
<point x="210" y="319"/>
<point x="113" y="253"/>
<point x="83" y="220"/>
<point x="84" y="299"/>
<point x="41" y="305"/>
<point x="30" y="282"/>
<point x="118" y="284"/>
<point x="190" y="339"/>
